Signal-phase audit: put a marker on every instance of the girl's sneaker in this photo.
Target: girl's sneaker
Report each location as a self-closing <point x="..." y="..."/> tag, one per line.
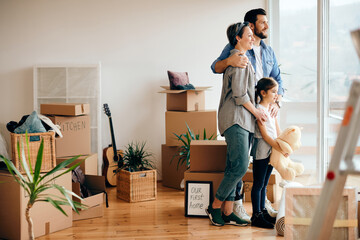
<point x="258" y="220"/>
<point x="272" y="212"/>
<point x="215" y="216"/>
<point x="267" y="217"/>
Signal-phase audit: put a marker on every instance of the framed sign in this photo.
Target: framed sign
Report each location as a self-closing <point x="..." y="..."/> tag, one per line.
<point x="198" y="196"/>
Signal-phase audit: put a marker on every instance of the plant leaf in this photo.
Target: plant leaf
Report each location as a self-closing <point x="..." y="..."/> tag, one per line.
<point x="23" y="159"/>
<point x="61" y="166"/>
<point x="39" y="161"/>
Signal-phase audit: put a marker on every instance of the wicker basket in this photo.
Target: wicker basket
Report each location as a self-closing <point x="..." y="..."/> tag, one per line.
<point x="136" y="186"/>
<point x="49" y="159"/>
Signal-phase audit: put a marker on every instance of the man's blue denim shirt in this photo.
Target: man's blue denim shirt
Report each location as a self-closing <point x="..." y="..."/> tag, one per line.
<point x="270" y="65"/>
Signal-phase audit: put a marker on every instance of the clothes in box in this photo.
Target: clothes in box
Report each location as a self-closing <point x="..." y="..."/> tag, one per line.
<point x="94" y="203"/>
<point x="185" y="100"/>
<point x="175" y="122"/>
<point x="65" y="109"/>
<point x="207" y="155"/>
<point x="172" y="175"/>
<point x="88" y="166"/>
<point x="46" y="218"/>
<point x="76" y="135"/>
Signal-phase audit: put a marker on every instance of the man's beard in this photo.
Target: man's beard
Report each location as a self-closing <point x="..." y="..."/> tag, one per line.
<point x="260" y="34"/>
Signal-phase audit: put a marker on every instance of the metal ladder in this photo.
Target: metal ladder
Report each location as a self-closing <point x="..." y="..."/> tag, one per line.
<point x="342" y="164"/>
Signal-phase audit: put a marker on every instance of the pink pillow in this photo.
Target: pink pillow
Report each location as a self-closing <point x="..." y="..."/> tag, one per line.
<point x="178" y="79"/>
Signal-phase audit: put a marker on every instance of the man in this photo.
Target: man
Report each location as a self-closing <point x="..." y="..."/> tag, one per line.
<point x="262" y="58"/>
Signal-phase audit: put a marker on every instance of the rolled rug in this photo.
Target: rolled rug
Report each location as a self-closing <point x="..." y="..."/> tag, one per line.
<point x="280" y="218"/>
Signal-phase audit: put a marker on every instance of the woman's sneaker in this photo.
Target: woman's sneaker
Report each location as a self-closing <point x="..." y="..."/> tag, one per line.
<point x="232" y="219"/>
<point x="215" y="216"/>
<point x="272" y="212"/>
<point x="267" y="217"/>
<point x="240" y="211"/>
<point x="258" y="220"/>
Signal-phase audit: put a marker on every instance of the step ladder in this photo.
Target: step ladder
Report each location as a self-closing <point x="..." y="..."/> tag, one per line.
<point x="342" y="164"/>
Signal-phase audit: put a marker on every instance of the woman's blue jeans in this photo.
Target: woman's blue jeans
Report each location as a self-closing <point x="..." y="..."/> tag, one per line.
<point x="261" y="174"/>
<point x="237" y="161"/>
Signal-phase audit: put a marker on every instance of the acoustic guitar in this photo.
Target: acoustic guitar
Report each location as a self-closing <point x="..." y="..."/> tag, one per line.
<point x="111" y="156"/>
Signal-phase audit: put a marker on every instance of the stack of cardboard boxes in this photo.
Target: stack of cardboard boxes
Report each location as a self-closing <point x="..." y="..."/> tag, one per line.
<point x="183" y="107"/>
<point x="74" y="121"/>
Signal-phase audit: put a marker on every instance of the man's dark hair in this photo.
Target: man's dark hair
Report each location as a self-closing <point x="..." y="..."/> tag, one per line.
<point x="251" y="16"/>
<point x="236" y="29"/>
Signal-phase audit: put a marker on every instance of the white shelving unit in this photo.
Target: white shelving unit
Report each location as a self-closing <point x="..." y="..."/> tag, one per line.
<point x="72" y="83"/>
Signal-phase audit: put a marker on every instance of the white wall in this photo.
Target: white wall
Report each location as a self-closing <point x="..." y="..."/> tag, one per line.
<point x="136" y="41"/>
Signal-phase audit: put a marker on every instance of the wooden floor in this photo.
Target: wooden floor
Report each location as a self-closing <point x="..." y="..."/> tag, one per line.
<point x="159" y="219"/>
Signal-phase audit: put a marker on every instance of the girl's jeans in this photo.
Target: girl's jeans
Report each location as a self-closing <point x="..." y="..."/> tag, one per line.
<point x="237" y="161"/>
<point x="261" y="174"/>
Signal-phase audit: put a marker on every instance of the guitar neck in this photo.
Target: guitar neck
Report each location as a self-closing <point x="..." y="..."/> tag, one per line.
<point x="112" y="136"/>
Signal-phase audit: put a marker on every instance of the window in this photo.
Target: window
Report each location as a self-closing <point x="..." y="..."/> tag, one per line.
<point x="297" y="56"/>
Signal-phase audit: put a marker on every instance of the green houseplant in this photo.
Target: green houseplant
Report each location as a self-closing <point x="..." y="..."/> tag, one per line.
<point x="36" y="184"/>
<point x="136" y="176"/>
<point x="183" y="154"/>
<point x="136" y="158"/>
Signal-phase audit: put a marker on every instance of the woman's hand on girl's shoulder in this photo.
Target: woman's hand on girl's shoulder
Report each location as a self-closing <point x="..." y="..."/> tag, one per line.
<point x="260" y="116"/>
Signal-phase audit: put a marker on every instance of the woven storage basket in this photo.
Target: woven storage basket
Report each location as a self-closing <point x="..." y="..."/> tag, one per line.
<point x="136" y="186"/>
<point x="49" y="159"/>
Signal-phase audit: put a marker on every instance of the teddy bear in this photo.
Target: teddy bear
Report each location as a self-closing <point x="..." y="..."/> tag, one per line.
<point x="289" y="141"/>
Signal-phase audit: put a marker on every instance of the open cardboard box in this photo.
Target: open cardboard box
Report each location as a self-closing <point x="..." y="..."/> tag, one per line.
<point x="94" y="203"/>
<point x="185" y="100"/>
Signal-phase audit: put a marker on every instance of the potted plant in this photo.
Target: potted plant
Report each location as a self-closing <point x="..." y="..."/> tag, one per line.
<point x="36" y="184"/>
<point x="183" y="154"/>
<point x="136" y="176"/>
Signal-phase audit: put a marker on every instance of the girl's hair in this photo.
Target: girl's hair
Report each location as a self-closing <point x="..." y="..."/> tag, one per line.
<point x="265" y="84"/>
<point x="236" y="29"/>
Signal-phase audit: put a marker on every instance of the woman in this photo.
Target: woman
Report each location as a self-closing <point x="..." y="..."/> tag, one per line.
<point x="236" y="115"/>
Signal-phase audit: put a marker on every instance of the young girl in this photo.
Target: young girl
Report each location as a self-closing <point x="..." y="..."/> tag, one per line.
<point x="265" y="134"/>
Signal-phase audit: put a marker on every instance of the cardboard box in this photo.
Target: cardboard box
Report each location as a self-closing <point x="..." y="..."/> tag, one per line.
<point x="207" y="155"/>
<point x="65" y="109"/>
<point x="76" y="135"/>
<point x="94" y="212"/>
<point x="175" y="122"/>
<point x="94" y="203"/>
<point x="301" y="203"/>
<point x="185" y="100"/>
<point x="214" y="177"/>
<point x="46" y="218"/>
<point x="171" y="174"/>
<point x="89" y="166"/>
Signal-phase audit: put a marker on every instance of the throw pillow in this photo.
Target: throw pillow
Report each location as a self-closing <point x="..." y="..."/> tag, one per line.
<point x="179" y="81"/>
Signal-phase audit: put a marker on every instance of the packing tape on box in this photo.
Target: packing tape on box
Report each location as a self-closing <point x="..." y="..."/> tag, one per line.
<point x="307" y="222"/>
<point x="280" y="218"/>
